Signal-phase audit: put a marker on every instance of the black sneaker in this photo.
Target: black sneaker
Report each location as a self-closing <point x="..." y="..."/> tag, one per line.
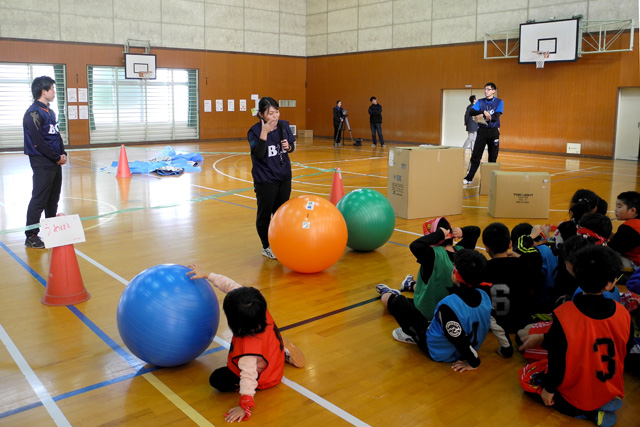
<point x="34" y="242"/>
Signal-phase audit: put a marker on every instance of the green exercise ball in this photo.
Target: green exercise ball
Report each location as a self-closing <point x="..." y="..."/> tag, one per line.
<point x="370" y="219"/>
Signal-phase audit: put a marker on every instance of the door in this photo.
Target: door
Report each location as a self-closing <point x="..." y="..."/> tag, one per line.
<point x="454" y="104"/>
<point x="627" y="142"/>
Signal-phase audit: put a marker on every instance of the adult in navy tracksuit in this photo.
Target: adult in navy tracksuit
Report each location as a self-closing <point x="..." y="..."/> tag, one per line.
<point x="490" y="109"/>
<point x="45" y="148"/>
<point x="271" y="141"/>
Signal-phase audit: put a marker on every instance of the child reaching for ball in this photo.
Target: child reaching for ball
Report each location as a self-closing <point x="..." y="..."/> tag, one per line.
<point x="258" y="352"/>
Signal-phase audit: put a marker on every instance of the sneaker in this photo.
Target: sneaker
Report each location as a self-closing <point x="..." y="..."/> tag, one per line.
<point x="612" y="405"/>
<point x="292" y="354"/>
<point x="373" y="145"/>
<point x="268" y="253"/>
<point x="505" y="352"/>
<point x="383" y="289"/>
<point x="34" y="242"/>
<point x="399" y="335"/>
<point x="606" y="419"/>
<point x="466" y="181"/>
<point x="408" y="284"/>
<point x="381" y="145"/>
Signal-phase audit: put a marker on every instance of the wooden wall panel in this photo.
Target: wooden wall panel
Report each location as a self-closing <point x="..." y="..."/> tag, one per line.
<point x="222" y="76"/>
<point x="544" y="109"/>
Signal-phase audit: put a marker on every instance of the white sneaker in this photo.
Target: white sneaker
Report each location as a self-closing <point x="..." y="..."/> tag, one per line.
<point x="465" y="182"/>
<point x="373" y="145"/>
<point x="399" y="335"/>
<point x="268" y="253"/>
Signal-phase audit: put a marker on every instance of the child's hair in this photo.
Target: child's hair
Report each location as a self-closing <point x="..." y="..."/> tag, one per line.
<point x="598" y="224"/>
<point x="471" y="266"/>
<point x="496" y="237"/>
<point x="472" y="99"/>
<point x="522" y="229"/>
<point x="583" y="202"/>
<point x="265" y="103"/>
<point x="572" y="245"/>
<point x="631" y="199"/>
<point x="595" y="267"/>
<point x="246" y="311"/>
<point x="39" y="84"/>
<point x="603" y="206"/>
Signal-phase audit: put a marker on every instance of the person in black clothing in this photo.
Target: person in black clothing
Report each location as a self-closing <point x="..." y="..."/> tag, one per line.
<point x="45" y="148"/>
<point x="516" y="277"/>
<point x="338" y="118"/>
<point x="470" y="124"/>
<point x="271" y="141"/>
<point x="375" y="119"/>
<point x="583" y="202"/>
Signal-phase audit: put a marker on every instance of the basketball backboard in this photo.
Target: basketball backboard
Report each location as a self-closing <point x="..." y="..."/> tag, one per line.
<point x="559" y="38"/>
<point x="139" y="66"/>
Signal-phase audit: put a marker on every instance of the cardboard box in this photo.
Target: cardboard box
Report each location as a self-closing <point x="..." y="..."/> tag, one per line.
<point x="305" y="133"/>
<point x="519" y="194"/>
<point x="485" y="176"/>
<point x="425" y="182"/>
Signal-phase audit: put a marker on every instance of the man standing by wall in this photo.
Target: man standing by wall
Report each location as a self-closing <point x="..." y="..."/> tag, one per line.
<point x="375" y="119"/>
<point x="43" y="144"/>
<point x="470" y="124"/>
<point x="486" y="112"/>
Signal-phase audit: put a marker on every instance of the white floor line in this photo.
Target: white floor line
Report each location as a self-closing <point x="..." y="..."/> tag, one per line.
<point x="312" y="396"/>
<point x="39" y="389"/>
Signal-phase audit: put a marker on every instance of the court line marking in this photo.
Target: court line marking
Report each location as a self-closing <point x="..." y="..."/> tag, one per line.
<point x="39" y="389"/>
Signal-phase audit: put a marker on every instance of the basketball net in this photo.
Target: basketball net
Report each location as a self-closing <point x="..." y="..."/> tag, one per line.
<point x="542" y="56"/>
<point x="145" y="74"/>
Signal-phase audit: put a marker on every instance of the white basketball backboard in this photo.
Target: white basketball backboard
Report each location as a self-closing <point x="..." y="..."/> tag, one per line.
<point x="138" y="66"/>
<point x="559" y="38"/>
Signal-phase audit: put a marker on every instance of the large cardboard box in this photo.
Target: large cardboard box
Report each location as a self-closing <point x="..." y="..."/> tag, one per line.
<point x="425" y="181"/>
<point x="485" y="176"/>
<point x="519" y="194"/>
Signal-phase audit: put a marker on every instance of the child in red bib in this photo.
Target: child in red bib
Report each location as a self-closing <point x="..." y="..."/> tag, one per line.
<point x="258" y="352"/>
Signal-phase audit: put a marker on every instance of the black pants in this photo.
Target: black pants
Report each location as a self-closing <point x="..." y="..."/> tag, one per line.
<point x="47" y="184"/>
<point x="410" y="319"/>
<point x="270" y="197"/>
<point x="377" y="127"/>
<point x="487" y="137"/>
<point x="224" y="380"/>
<point x="336" y="132"/>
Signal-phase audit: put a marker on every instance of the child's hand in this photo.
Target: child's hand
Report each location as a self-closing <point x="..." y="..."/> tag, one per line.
<point x="235" y="414"/>
<point x="547" y="397"/>
<point x="447" y="233"/>
<point x="461" y="366"/>
<point x="457" y="233"/>
<point x="196" y="272"/>
<point x="531" y="341"/>
<point x="535" y="232"/>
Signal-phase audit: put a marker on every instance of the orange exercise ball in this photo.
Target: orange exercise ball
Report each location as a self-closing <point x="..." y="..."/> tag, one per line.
<point x="308" y="234"/>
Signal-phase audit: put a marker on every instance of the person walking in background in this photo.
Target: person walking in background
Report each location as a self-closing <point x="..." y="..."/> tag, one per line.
<point x="470" y="124"/>
<point x="375" y="119"/>
<point x="45" y="148"/>
<point x="487" y="112"/>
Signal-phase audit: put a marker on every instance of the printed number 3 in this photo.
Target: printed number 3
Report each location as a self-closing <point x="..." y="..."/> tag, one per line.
<point x="607" y="358"/>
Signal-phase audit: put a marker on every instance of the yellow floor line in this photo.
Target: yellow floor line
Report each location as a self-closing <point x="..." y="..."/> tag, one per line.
<point x="177" y="400"/>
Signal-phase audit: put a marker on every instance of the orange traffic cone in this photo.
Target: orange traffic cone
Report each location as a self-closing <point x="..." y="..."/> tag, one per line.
<point x="337" y="190"/>
<point x="123" y="165"/>
<point x="64" y="285"/>
<point x="123" y="185"/>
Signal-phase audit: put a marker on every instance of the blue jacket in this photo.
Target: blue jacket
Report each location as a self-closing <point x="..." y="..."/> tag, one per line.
<point x="494" y="106"/>
<point x="42" y="135"/>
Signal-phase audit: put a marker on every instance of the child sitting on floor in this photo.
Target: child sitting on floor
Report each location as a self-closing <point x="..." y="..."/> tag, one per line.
<point x="258" y="352"/>
<point x="587" y="344"/>
<point x="461" y="320"/>
<point x="626" y="241"/>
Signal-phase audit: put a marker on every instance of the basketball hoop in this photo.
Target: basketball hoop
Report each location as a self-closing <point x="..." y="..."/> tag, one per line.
<point x="543" y="55"/>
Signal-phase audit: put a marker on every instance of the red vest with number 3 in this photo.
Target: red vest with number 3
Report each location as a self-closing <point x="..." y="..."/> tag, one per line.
<point x="595" y="356"/>
<point x="267" y="345"/>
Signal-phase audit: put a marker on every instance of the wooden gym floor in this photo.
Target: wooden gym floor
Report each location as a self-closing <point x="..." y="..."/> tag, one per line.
<point x="68" y="365"/>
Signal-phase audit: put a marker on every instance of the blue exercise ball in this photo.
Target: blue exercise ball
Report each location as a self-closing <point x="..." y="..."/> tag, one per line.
<point x="167" y="319"/>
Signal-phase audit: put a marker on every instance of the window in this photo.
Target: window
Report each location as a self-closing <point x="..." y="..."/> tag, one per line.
<point x="16" y="97"/>
<point x="122" y="110"/>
